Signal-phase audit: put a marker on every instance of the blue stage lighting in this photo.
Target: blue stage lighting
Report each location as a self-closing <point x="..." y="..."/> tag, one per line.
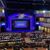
<point x="24" y="24"/>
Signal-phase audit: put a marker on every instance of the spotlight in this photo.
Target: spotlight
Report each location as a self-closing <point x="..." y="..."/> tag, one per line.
<point x="37" y="23"/>
<point x="44" y="11"/>
<point x="3" y="24"/>
<point x="3" y="11"/>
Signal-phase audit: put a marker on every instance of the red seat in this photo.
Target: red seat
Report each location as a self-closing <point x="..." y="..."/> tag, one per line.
<point x="42" y="49"/>
<point x="10" y="49"/>
<point x="28" y="48"/>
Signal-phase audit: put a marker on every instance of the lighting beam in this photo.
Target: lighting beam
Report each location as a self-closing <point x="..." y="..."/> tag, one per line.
<point x="2" y="3"/>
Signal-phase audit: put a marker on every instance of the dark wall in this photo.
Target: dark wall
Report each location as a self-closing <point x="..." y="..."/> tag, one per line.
<point x="25" y="5"/>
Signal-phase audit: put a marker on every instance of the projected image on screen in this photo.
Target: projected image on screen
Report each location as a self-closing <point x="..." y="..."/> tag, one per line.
<point x="20" y="24"/>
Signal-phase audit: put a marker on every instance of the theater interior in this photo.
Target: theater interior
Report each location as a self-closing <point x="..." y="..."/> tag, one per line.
<point x="24" y="24"/>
